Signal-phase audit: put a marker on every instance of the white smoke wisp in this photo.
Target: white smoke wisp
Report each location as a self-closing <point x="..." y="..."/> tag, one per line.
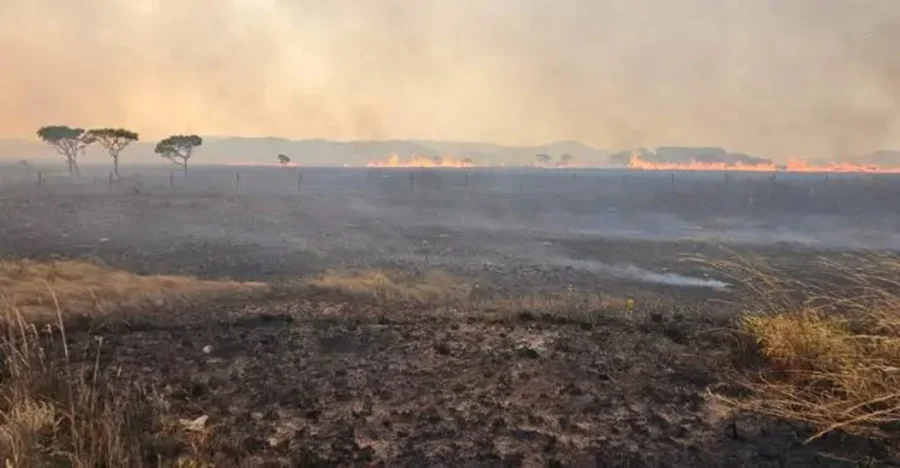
<point x="636" y="273"/>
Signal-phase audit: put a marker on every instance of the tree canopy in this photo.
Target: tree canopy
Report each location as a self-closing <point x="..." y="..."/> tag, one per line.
<point x="67" y="141"/>
<point x="113" y="139"/>
<point x="178" y="147"/>
<point x="283" y="159"/>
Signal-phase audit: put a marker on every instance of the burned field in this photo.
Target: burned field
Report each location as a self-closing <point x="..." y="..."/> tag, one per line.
<point x="445" y="318"/>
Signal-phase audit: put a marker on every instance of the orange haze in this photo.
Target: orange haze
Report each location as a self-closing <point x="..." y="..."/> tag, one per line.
<point x="792" y="166"/>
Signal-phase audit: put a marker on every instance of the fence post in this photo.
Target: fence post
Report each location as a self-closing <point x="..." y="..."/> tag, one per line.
<point x="299" y="181"/>
<point x="237" y="181"/>
<point x="40" y="178"/>
<point x="110" y="182"/>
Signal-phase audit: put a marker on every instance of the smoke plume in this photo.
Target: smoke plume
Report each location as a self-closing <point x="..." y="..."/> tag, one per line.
<point x="799" y="78"/>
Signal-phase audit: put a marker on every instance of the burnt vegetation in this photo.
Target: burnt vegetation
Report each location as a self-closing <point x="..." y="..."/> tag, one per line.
<point x="365" y="321"/>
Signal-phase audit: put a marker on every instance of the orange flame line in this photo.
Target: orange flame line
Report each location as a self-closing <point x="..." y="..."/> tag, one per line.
<point x="795" y="165"/>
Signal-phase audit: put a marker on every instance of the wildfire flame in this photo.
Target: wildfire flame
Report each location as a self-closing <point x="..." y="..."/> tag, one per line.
<point x="422" y="161"/>
<point x="636" y="162"/>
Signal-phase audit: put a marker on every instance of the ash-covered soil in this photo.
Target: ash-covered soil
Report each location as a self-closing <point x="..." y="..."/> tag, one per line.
<point x="309" y="377"/>
<point x="312" y="378"/>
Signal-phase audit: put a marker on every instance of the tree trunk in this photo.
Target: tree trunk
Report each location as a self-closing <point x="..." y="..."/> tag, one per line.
<point x="116" y="166"/>
<point x="75" y="166"/>
<point x="184" y="166"/>
<point x="69" y="163"/>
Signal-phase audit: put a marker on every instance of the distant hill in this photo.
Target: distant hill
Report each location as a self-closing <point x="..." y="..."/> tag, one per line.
<point x="318" y="152"/>
<point x="883" y="158"/>
<point x="682" y="154"/>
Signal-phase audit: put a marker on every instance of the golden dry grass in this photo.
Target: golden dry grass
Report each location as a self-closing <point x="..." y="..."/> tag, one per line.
<point x="830" y="349"/>
<point x="34" y="288"/>
<point x="54" y="412"/>
<point x="429" y="287"/>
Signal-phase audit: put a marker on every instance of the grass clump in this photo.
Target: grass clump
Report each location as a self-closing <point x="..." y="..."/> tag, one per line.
<point x="61" y="407"/>
<point x="54" y="412"/>
<point x="828" y="348"/>
<point x="429" y="287"/>
<point x="80" y="287"/>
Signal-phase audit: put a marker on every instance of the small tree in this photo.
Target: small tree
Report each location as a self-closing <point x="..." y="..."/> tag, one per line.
<point x="114" y="140"/>
<point x="543" y="159"/>
<point x="178" y="149"/>
<point x="68" y="142"/>
<point x="564" y="160"/>
<point x="284" y="160"/>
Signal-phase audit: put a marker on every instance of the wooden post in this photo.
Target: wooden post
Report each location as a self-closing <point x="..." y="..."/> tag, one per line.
<point x="299" y="181"/>
<point x="466" y="178"/>
<point x="237" y="181"/>
<point x="40" y="178"/>
<point x="412" y="181"/>
<point x="110" y="182"/>
<point x="826" y="179"/>
<point x="673" y="181"/>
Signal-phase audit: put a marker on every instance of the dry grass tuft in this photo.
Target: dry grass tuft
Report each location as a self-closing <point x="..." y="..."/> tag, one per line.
<point x="429" y="287"/>
<point x="55" y="411"/>
<point x="830" y="349"/>
<point x="79" y="286"/>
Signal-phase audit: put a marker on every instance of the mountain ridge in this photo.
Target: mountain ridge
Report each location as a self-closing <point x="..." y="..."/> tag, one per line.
<point x="322" y="152"/>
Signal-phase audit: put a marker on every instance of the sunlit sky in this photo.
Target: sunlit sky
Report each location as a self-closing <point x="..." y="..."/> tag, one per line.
<point x="804" y="77"/>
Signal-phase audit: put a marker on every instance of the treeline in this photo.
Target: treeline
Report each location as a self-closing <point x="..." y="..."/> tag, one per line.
<point x="71" y="142"/>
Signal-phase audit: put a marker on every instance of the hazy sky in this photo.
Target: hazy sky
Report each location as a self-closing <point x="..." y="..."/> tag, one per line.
<point x="811" y="78"/>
